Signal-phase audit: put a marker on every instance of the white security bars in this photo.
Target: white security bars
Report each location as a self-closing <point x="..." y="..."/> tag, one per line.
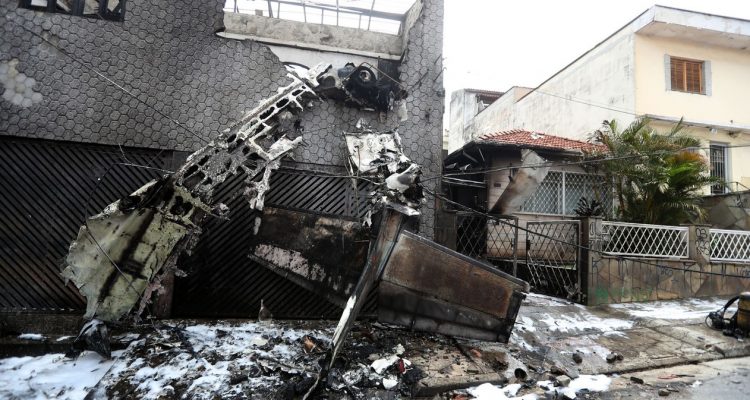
<point x="621" y="238"/>
<point x="729" y="245"/>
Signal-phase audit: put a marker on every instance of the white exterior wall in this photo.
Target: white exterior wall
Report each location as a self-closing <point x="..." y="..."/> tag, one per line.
<point x="604" y="77"/>
<point x="725" y="102"/>
<point x="738" y="167"/>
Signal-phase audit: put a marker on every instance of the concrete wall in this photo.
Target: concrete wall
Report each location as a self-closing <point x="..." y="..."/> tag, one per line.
<point x="613" y="280"/>
<point x="180" y="84"/>
<point x="464" y="108"/>
<point x="561" y="106"/>
<point x="627" y="279"/>
<point x="313" y="35"/>
<point x="728" y="211"/>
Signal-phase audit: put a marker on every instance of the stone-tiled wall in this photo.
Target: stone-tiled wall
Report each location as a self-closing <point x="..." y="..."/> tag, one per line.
<point x="163" y="79"/>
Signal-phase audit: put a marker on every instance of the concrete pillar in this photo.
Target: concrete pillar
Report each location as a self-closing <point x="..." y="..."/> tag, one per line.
<point x="590" y="241"/>
<point x="699" y="243"/>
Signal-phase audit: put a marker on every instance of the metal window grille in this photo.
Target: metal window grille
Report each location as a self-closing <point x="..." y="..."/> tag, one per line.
<point x="560" y="192"/>
<point x="717" y="157"/>
<point x="621" y="238"/>
<point x="728" y="245"/>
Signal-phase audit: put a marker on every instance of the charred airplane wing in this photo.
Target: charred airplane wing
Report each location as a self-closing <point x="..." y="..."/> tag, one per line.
<point x="120" y="255"/>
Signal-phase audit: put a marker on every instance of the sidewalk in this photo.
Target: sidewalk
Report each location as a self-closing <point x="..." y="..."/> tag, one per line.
<point x="647" y="335"/>
<point x="549" y="331"/>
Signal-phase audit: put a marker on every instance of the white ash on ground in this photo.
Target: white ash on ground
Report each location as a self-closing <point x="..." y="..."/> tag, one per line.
<point x="238" y="360"/>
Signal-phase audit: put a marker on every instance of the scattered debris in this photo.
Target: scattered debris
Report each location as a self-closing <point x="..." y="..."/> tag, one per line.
<point x="612" y="357"/>
<point x="32" y="336"/>
<point x="363" y="86"/>
<point x="664" y="392"/>
<point x="121" y="254"/>
<point x="264" y="314"/>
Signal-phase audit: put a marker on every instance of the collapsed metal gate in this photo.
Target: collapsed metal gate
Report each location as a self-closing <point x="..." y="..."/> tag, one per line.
<point x="552" y="254"/>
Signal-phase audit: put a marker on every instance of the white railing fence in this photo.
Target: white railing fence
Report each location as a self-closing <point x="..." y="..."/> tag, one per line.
<point x="622" y="238"/>
<point x="726" y="245"/>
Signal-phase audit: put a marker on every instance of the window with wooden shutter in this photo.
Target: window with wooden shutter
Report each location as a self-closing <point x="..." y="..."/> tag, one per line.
<point x="686" y="75"/>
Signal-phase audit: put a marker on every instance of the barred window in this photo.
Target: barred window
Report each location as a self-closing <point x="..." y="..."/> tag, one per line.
<point x="687" y="75"/>
<point x="113" y="10"/>
<point x="559" y="193"/>
<point x="718" y="163"/>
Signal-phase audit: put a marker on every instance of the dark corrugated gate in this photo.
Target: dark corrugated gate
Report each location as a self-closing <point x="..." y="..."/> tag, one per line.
<point x="44" y="186"/>
<point x="43" y="189"/>
<point x="224" y="282"/>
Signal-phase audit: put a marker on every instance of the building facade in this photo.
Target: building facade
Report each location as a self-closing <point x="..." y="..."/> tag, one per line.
<point x="667" y="64"/>
<point x="83" y="92"/>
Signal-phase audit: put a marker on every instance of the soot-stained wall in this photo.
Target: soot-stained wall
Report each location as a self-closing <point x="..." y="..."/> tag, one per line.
<point x="163" y="79"/>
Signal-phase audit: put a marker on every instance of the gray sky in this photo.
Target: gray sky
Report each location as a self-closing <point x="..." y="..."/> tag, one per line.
<point x="496" y="44"/>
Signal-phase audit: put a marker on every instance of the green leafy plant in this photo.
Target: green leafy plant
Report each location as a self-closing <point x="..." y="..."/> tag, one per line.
<point x="658" y="177"/>
<point x="586" y="208"/>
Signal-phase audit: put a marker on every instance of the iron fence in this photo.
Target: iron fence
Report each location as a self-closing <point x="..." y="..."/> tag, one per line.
<point x="728" y="245"/>
<point x="487" y="237"/>
<point x="622" y="238"/>
<point x="552" y="256"/>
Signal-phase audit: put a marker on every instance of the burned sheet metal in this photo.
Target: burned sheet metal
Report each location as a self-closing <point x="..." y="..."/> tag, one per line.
<point x="321" y="253"/>
<point x="429" y="287"/>
<point x="380" y="155"/>
<point x="120" y="253"/>
<point x="390" y="226"/>
<point x="523" y="184"/>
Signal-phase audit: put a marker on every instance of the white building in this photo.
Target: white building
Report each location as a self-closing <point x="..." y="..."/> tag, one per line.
<point x="665" y="64"/>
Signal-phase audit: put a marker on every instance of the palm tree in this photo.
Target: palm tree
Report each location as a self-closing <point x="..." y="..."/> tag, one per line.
<point x="657" y="176"/>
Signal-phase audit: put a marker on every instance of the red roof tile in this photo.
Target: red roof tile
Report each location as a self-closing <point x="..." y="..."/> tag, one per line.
<point x="519" y="137"/>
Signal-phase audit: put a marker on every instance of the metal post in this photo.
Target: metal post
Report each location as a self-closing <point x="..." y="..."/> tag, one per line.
<point x="270" y="9"/>
<point x="515" y="247"/>
<point x="369" y="16"/>
<point x="563" y="194"/>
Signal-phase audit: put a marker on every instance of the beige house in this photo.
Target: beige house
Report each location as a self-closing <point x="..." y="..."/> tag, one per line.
<point x="665" y="64"/>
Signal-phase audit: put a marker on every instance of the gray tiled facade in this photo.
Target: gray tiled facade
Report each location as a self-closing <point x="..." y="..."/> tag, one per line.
<point x="162" y="79"/>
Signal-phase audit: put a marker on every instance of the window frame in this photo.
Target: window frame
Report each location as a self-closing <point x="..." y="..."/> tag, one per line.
<point x="704" y="75"/>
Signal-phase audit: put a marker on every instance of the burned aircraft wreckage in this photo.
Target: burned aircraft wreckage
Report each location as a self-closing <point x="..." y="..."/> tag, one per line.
<point x="122" y="255"/>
